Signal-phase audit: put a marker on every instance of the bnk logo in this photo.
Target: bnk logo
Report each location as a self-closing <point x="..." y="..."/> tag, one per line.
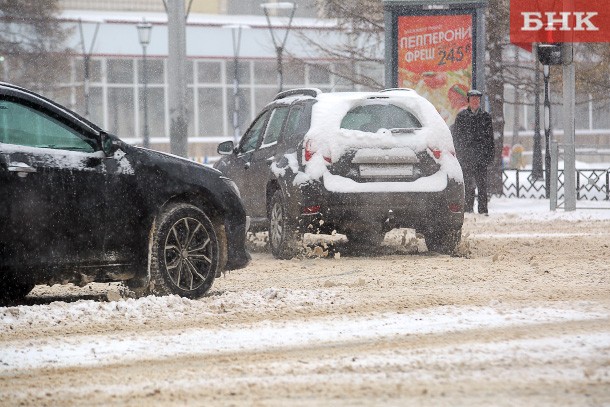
<point x="551" y="21"/>
<point x="559" y="21"/>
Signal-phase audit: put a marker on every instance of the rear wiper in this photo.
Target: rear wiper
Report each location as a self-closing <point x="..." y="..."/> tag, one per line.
<point x="405" y="129"/>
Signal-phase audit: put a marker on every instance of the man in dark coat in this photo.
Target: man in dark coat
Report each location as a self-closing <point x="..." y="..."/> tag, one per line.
<point x="474" y="145"/>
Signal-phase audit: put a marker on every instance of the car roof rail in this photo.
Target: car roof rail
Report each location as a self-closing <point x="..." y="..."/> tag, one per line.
<point x="313" y="92"/>
<point x="394" y="89"/>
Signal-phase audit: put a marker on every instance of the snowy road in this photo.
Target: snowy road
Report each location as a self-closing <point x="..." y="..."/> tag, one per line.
<point x="522" y="317"/>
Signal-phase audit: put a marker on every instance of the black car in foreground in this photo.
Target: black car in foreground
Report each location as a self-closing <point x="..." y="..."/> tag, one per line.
<point x="358" y="163"/>
<point x="78" y="205"/>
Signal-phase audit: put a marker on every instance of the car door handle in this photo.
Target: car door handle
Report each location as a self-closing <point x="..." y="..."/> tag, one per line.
<point x="21" y="168"/>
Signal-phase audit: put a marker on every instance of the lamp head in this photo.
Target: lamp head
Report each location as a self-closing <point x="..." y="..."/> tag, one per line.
<point x="144" y="31"/>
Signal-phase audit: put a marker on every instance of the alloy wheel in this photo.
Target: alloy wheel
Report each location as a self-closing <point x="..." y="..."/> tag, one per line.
<point x="188" y="253"/>
<point x="276" y="224"/>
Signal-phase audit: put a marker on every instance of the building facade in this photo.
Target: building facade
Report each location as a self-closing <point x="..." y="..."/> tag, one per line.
<point x="114" y="93"/>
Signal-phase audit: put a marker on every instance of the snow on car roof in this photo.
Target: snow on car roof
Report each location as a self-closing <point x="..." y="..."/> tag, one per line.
<point x="332" y="107"/>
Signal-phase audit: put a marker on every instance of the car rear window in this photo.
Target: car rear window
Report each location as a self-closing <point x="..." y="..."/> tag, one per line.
<point x="374" y="117"/>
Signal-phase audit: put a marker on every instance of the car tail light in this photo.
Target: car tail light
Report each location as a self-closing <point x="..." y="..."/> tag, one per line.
<point x="435" y="152"/>
<point x="311" y="210"/>
<point x="309" y="153"/>
<point x="455" y="207"/>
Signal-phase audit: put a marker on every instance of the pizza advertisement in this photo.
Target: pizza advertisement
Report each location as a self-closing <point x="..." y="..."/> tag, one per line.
<point x="435" y="59"/>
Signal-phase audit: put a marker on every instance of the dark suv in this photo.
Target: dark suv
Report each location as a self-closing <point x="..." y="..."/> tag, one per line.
<point x="359" y="163"/>
<point x="79" y="205"/>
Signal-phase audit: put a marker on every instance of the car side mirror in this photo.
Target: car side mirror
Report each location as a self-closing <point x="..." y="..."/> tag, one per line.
<point x="109" y="144"/>
<point x="226" y="148"/>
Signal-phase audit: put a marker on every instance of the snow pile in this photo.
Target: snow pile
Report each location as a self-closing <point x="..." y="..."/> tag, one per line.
<point x="170" y="308"/>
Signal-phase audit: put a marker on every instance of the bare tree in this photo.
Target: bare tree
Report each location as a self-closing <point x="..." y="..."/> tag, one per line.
<point x="362" y="23"/>
<point x="32" y="43"/>
<point x="496" y="41"/>
<point x="592" y="73"/>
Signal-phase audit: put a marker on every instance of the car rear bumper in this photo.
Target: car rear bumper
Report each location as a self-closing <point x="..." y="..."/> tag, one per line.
<point x="418" y="210"/>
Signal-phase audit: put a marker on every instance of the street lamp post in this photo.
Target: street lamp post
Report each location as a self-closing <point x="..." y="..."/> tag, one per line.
<point x="547" y="130"/>
<point x="144" y="31"/>
<point x="279" y="45"/>
<point x="537" y="155"/>
<point x="87" y="60"/>
<point x="236" y="36"/>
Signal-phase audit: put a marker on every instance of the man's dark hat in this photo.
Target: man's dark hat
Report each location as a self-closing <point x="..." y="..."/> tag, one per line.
<point x="474" y="92"/>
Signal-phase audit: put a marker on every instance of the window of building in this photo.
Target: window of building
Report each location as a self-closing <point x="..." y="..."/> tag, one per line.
<point x="121" y="111"/>
<point x="156" y="112"/>
<point x="96" y="105"/>
<point x="294" y="73"/>
<point x="155" y="71"/>
<point x="243" y="71"/>
<point x="120" y="71"/>
<point x="244" y="113"/>
<point x="95" y="69"/>
<point x="319" y="74"/>
<point x="341" y="77"/>
<point x="375" y="73"/>
<point x="209" y="72"/>
<point x="262" y="97"/>
<point x="265" y="72"/>
<point x="210" y="112"/>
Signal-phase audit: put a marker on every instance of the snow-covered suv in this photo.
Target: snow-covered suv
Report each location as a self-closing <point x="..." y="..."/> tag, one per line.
<point x="359" y="163"/>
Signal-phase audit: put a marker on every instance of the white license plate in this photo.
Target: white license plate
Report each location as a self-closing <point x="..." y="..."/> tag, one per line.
<point x="369" y="170"/>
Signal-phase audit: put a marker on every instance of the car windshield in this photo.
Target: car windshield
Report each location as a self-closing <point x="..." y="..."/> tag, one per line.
<point x="376" y="116"/>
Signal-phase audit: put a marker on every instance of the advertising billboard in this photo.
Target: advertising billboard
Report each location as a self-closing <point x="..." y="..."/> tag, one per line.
<point x="435" y="57"/>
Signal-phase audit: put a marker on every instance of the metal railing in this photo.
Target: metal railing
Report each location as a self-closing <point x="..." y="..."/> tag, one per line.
<point x="593" y="189"/>
<point x="592" y="184"/>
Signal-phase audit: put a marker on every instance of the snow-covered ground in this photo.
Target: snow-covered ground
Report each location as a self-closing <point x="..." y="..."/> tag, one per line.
<point x="521" y="317"/>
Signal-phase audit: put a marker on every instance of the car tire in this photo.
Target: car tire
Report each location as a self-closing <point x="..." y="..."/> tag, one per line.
<point x="443" y="241"/>
<point x="186" y="252"/>
<point x="285" y="238"/>
<point x="12" y="290"/>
